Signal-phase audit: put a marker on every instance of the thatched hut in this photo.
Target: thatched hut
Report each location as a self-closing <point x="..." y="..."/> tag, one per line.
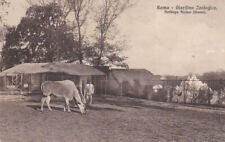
<point x="27" y="77"/>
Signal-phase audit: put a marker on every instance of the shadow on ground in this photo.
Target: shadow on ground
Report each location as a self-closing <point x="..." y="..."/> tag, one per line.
<point x="110" y="100"/>
<point x="103" y="109"/>
<point x="126" y="102"/>
<point x="37" y="108"/>
<point x="90" y="107"/>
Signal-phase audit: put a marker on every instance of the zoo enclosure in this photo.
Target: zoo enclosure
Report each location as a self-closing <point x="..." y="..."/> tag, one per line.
<point x="144" y="89"/>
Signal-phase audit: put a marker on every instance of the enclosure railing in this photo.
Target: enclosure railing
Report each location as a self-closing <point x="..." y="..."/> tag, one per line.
<point x="168" y="92"/>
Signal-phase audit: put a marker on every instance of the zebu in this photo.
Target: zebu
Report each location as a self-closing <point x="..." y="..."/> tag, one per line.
<point x="64" y="89"/>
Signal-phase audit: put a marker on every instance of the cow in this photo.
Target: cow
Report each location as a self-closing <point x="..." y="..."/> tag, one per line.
<point x="89" y="91"/>
<point x="63" y="89"/>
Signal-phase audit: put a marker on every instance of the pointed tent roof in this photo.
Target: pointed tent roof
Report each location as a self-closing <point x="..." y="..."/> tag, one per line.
<point x="68" y="68"/>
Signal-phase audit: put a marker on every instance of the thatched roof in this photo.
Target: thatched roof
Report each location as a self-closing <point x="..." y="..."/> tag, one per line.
<point x="68" y="68"/>
<point x="131" y="75"/>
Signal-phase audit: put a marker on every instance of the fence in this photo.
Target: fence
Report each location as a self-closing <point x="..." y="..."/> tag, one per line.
<point x="215" y="94"/>
<point x="134" y="88"/>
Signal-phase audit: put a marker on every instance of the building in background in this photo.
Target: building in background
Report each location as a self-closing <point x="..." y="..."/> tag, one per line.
<point x="128" y="82"/>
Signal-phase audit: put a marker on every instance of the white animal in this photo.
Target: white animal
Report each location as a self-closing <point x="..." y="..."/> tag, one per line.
<point x="157" y="87"/>
<point x="65" y="89"/>
<point x="89" y="91"/>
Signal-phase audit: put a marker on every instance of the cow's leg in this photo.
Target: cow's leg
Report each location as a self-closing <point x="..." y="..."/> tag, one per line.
<point x="84" y="99"/>
<point x="43" y="99"/>
<point x="90" y="99"/>
<point x="68" y="106"/>
<point x="64" y="108"/>
<point x="48" y="102"/>
<point x="75" y="103"/>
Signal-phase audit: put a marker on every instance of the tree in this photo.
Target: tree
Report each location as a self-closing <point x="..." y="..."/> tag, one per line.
<point x="41" y="36"/>
<point x="3" y="3"/>
<point x="3" y="12"/>
<point x="215" y="80"/>
<point x="105" y="52"/>
<point x="80" y="10"/>
<point x="63" y="4"/>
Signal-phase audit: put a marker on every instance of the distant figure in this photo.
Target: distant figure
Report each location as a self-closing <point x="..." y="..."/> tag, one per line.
<point x="89" y="91"/>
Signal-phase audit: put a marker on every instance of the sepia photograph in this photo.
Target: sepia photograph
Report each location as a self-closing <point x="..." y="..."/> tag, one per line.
<point x="112" y="71"/>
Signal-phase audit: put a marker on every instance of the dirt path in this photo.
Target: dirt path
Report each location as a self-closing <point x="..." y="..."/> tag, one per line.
<point x="110" y="119"/>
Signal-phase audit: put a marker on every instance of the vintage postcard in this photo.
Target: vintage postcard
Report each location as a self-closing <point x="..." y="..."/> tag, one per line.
<point x="112" y="71"/>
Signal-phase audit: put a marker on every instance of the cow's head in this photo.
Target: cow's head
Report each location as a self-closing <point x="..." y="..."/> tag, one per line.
<point x="82" y="108"/>
<point x="79" y="102"/>
<point x="83" y="105"/>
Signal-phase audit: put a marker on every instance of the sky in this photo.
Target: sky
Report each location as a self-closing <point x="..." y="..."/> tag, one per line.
<point x="166" y="44"/>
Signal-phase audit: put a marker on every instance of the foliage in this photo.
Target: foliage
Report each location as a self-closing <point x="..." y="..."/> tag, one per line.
<point x="3" y="3"/>
<point x="63" y="4"/>
<point x="109" y="55"/>
<point x="80" y="11"/>
<point x="3" y="12"/>
<point x="104" y="51"/>
<point x="41" y="36"/>
<point x="215" y="80"/>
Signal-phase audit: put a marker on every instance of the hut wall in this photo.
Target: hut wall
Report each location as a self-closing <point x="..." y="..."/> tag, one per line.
<point x="100" y="83"/>
<point x="35" y="82"/>
<point x="126" y="87"/>
<point x="25" y="83"/>
<point x="114" y="87"/>
<point x="31" y="83"/>
<point x="54" y="76"/>
<point x="2" y="83"/>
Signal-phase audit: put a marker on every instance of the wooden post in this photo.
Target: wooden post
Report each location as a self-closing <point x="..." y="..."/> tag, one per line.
<point x="80" y="85"/>
<point x="100" y="82"/>
<point x="21" y="84"/>
<point x="96" y="84"/>
<point x="40" y="80"/>
<point x="29" y="91"/>
<point x="121" y="89"/>
<point x="208" y="94"/>
<point x="5" y="80"/>
<point x="105" y="83"/>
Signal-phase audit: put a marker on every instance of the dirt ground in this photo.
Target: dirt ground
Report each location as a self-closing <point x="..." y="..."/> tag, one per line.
<point x="110" y="119"/>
